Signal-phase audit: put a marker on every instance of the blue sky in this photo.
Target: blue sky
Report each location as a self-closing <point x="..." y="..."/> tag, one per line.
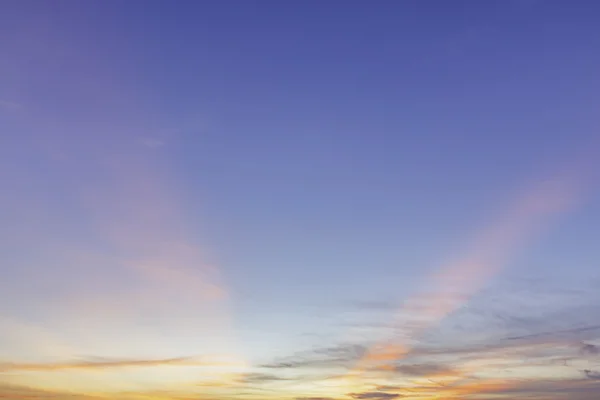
<point x="255" y="181"/>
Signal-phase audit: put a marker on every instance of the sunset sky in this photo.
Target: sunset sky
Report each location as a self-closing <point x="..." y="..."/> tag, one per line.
<point x="299" y="200"/>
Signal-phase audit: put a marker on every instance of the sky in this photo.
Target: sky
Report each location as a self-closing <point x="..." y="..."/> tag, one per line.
<point x="299" y="200"/>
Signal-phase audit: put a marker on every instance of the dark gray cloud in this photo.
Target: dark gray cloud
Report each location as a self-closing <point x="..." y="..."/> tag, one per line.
<point x="595" y="375"/>
<point x="263" y="378"/>
<point x="525" y="349"/>
<point x="589" y="350"/>
<point x="426" y="360"/>
<point x="342" y="355"/>
<point x="374" y="396"/>
<point x="574" y="389"/>
<point x="521" y="325"/>
<point x="520" y="306"/>
<point x="343" y="352"/>
<point x="304" y="363"/>
<point x="282" y="365"/>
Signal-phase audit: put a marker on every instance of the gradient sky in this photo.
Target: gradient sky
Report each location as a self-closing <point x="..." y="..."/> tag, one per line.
<point x="303" y="200"/>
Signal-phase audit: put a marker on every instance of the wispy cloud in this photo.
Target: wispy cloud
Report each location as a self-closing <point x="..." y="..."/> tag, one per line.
<point x="101" y="365"/>
<point x="455" y="282"/>
<point x="321" y="357"/>
<point x="595" y="375"/>
<point x="10" y="392"/>
<point x="262" y="378"/>
<point x="22" y="392"/>
<point x="458" y="368"/>
<point x="590" y="350"/>
<point x="314" y="398"/>
<point x="374" y="396"/>
<point x="427" y="369"/>
<point x="557" y="333"/>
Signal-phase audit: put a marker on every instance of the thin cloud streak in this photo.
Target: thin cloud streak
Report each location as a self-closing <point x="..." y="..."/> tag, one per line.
<point x="100" y="365"/>
<point x="136" y="276"/>
<point x="455" y="282"/>
<point x="556" y="333"/>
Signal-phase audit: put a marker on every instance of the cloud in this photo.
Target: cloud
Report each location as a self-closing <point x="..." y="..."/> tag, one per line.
<point x="425" y="369"/>
<point x="22" y="392"/>
<point x="458" y="280"/>
<point x="262" y="378"/>
<point x="390" y="388"/>
<point x="100" y="365"/>
<point x="590" y="349"/>
<point x="521" y="329"/>
<point x="555" y="333"/>
<point x="345" y="351"/>
<point x="451" y="360"/>
<point x="282" y="365"/>
<point x="505" y="389"/>
<point x="374" y="396"/>
<point x="595" y="375"/>
<point x="14" y="392"/>
<point x="557" y="389"/>
<point x="314" y="398"/>
<point x="324" y="357"/>
<point x="461" y="371"/>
